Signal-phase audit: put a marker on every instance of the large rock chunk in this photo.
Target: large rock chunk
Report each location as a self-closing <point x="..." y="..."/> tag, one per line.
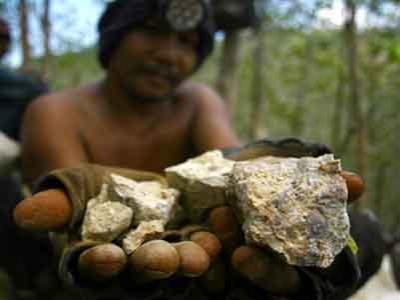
<point x="295" y="206"/>
<point x="203" y="181"/>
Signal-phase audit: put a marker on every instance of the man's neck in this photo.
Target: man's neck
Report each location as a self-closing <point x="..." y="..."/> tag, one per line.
<point x="120" y="102"/>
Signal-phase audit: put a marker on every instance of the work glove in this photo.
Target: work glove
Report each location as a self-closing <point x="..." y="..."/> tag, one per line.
<point x="266" y="269"/>
<point x="58" y="207"/>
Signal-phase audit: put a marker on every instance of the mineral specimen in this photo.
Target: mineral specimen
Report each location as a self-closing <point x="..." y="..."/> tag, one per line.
<point x="150" y="200"/>
<point x="296" y="206"/>
<point x="203" y="181"/>
<point x="146" y="231"/>
<point x="105" y="220"/>
<point x="124" y="203"/>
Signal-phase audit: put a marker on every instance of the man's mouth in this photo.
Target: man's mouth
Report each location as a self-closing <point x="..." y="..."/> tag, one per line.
<point x="159" y="77"/>
<point x="161" y="73"/>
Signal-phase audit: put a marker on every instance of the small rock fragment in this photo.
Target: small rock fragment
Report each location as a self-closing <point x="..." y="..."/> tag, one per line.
<point x="105" y="221"/>
<point x="203" y="181"/>
<point x="124" y="203"/>
<point x="146" y="231"/>
<point x="150" y="200"/>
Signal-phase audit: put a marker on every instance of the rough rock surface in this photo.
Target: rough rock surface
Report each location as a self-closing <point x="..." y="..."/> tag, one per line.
<point x="150" y="200"/>
<point x="295" y="206"/>
<point x="105" y="220"/>
<point x="203" y="181"/>
<point x="146" y="231"/>
<point x="124" y="203"/>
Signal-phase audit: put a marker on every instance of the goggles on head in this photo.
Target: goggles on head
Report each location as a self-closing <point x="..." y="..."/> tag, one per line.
<point x="184" y="15"/>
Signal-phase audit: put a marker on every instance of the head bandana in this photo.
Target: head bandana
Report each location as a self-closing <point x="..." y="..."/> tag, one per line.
<point x="121" y="16"/>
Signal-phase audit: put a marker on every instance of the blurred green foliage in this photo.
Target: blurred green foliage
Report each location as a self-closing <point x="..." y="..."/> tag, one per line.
<point x="74" y="68"/>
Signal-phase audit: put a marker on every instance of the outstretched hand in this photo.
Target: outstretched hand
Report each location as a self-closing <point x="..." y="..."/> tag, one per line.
<point x="51" y="210"/>
<point x="265" y="269"/>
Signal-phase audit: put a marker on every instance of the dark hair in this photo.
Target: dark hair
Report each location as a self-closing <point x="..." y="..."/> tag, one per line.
<point x="121" y="16"/>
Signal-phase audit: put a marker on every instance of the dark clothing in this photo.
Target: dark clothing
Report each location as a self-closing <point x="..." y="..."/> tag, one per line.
<point x="21" y="254"/>
<point x="16" y="92"/>
<point x="369" y="235"/>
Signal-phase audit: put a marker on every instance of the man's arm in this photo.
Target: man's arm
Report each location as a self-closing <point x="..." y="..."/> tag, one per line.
<point x="50" y="137"/>
<point x="212" y="128"/>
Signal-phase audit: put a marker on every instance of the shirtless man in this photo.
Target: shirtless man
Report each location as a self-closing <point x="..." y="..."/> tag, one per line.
<point x="145" y="115"/>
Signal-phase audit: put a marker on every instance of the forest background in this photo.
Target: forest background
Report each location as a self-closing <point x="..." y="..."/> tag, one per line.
<point x="292" y="73"/>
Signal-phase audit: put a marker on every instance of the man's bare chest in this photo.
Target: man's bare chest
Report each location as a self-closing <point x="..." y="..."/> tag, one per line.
<point x="150" y="147"/>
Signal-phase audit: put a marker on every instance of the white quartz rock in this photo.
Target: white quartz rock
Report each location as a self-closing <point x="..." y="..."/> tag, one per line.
<point x="124" y="203"/>
<point x="105" y="220"/>
<point x="146" y="231"/>
<point x="150" y="200"/>
<point x="203" y="181"/>
<point x="296" y="206"/>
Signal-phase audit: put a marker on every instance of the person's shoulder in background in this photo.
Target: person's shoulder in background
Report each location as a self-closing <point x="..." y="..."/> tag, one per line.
<point x="29" y="85"/>
<point x="16" y="92"/>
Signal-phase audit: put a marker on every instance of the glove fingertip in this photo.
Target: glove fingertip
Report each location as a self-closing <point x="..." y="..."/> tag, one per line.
<point x="49" y="210"/>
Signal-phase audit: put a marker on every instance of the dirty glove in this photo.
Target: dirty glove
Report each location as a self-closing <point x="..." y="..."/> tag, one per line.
<point x="266" y="269"/>
<point x="59" y="206"/>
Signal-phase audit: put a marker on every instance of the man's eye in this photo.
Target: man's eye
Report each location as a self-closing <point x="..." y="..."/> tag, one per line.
<point x="189" y="40"/>
<point x="151" y="27"/>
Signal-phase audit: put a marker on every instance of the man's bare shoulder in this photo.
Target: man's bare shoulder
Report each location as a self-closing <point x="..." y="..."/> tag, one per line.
<point x="201" y="94"/>
<point x="61" y="104"/>
<point x="211" y="124"/>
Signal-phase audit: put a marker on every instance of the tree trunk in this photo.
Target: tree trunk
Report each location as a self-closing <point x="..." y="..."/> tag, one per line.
<point x="46" y="26"/>
<point x="227" y="79"/>
<point x="356" y="107"/>
<point x="298" y="120"/>
<point x="257" y="130"/>
<point x="380" y="185"/>
<point x="23" y="11"/>
<point x="337" y="119"/>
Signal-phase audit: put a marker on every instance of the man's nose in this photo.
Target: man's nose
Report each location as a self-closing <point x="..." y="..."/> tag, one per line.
<point x="168" y="48"/>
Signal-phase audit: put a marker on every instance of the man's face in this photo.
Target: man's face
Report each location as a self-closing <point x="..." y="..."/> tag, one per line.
<point x="151" y="61"/>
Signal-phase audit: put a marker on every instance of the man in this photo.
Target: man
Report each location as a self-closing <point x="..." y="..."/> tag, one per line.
<point x="147" y="115"/>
